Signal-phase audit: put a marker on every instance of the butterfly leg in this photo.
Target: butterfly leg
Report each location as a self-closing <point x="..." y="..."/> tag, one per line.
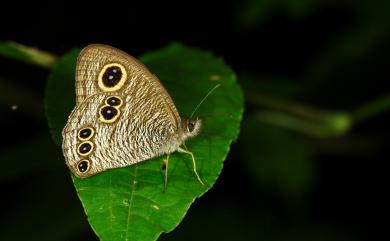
<point x="193" y="163"/>
<point x="164" y="168"/>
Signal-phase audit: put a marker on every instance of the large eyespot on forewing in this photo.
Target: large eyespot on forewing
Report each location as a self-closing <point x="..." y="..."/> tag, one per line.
<point x="112" y="77"/>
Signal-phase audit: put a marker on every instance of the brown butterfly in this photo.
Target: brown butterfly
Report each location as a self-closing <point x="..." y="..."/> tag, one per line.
<point x="123" y="115"/>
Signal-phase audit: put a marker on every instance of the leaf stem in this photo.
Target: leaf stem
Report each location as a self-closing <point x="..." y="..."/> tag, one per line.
<point x="28" y="54"/>
<point x="314" y="122"/>
<point x="302" y="118"/>
<point x="372" y="109"/>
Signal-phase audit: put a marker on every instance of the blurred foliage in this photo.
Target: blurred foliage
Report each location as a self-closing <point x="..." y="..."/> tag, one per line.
<point x="45" y="205"/>
<point x="230" y="222"/>
<point x="32" y="104"/>
<point x="277" y="159"/>
<point x="253" y="13"/>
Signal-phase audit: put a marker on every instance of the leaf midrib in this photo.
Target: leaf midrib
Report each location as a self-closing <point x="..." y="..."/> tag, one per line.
<point x="133" y="185"/>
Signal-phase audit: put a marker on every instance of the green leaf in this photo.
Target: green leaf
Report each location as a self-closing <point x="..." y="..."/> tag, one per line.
<point x="60" y="96"/>
<point x="129" y="203"/>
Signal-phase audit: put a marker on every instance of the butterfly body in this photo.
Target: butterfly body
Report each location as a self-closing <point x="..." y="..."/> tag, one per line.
<point x="123" y="114"/>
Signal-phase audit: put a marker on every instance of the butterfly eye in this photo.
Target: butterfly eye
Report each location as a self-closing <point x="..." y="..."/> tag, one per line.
<point x="83" y="166"/>
<point x="190" y="126"/>
<point x="85" y="148"/>
<point x="114" y="101"/>
<point x="112" y="77"/>
<point x="85" y="133"/>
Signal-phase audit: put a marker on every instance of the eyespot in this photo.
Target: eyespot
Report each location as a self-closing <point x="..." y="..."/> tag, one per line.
<point x="85" y="133"/>
<point x="114" y="101"/>
<point x="85" y="148"/>
<point x="83" y="166"/>
<point x="190" y="126"/>
<point x="112" y="77"/>
<point x="108" y="114"/>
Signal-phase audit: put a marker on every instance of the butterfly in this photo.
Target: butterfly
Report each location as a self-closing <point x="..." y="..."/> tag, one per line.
<point x="123" y="115"/>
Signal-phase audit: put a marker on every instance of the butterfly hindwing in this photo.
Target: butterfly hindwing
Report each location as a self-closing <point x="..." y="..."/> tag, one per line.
<point x="136" y="134"/>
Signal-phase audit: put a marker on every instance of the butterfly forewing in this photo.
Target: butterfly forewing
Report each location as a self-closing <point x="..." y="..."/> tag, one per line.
<point x="94" y="57"/>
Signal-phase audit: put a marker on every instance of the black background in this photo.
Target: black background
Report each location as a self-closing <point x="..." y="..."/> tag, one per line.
<point x="335" y="52"/>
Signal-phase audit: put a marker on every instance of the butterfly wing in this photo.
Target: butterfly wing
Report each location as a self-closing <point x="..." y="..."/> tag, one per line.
<point x="140" y="127"/>
<point x="92" y="60"/>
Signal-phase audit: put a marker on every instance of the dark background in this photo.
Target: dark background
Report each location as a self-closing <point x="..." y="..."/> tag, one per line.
<point x="277" y="183"/>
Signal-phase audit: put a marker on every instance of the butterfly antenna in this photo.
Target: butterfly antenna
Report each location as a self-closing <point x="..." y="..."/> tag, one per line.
<point x="204" y="98"/>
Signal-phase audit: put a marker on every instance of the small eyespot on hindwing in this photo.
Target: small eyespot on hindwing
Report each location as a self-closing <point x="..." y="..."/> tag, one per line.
<point x="85" y="133"/>
<point x="85" y="148"/>
<point x="83" y="166"/>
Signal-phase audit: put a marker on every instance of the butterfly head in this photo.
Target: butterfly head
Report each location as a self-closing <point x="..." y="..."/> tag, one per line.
<point x="191" y="127"/>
